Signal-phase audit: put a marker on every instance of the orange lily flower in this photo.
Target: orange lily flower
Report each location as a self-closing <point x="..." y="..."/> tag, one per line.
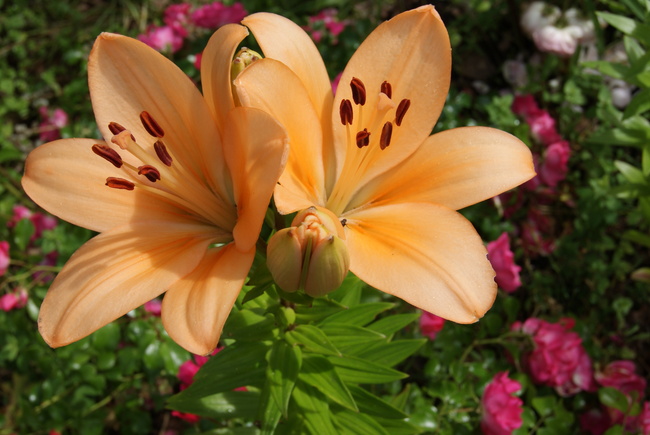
<point x="178" y="193"/>
<point x="367" y="156"/>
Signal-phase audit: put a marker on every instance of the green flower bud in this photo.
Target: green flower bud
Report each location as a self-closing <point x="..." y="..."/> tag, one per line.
<point x="311" y="255"/>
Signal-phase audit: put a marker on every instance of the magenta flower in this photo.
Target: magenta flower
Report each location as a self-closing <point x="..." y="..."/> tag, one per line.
<point x="40" y="221"/>
<point x="622" y="376"/>
<point x="524" y="105"/>
<point x="16" y="299"/>
<point x="177" y="16"/>
<point x="556" y="159"/>
<point x="503" y="262"/>
<point x="4" y="257"/>
<point x="644" y="419"/>
<point x="501" y="409"/>
<point x="51" y="123"/>
<point x="536" y="233"/>
<point x="162" y="38"/>
<point x="542" y="127"/>
<point x="430" y="324"/>
<point x="154" y="307"/>
<point x="217" y="14"/>
<point x="558" y="358"/>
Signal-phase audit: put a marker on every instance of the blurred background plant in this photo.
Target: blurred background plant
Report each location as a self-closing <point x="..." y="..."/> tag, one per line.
<point x="563" y="350"/>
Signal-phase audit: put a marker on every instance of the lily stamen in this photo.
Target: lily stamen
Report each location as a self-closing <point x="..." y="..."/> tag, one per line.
<point x="386" y="133"/>
<point x="109" y="154"/>
<point x="150" y="124"/>
<point x="119" y="183"/>
<point x="387" y="89"/>
<point x="358" y="91"/>
<point x="162" y="153"/>
<point x="401" y="111"/>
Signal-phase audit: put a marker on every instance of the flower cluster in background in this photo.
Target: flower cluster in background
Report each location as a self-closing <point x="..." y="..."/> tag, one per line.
<point x="501" y="408"/>
<point x="325" y="24"/>
<point x="184" y="21"/>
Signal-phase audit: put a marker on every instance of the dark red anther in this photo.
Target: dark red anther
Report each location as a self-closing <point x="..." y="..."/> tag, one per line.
<point x="363" y="138"/>
<point x="108" y="153"/>
<point x="401" y="111"/>
<point x="346" y="112"/>
<point x="162" y="153"/>
<point x="344" y="222"/>
<point x="358" y="91"/>
<point x="119" y="183"/>
<point x="386" y="133"/>
<point x="387" y="89"/>
<point x="115" y="128"/>
<point x="150" y="124"/>
<point x="150" y="172"/>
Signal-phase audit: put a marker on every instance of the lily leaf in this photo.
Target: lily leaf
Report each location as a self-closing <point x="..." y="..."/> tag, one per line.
<point x="318" y="372"/>
<point x="312" y="339"/>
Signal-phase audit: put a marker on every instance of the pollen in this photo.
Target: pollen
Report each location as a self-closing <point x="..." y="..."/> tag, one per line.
<point x="150" y="124"/>
<point x="363" y="138"/>
<point x="387" y="89"/>
<point x="401" y="111"/>
<point x="386" y="133"/>
<point x="119" y="183"/>
<point x="346" y="112"/>
<point x="108" y="154"/>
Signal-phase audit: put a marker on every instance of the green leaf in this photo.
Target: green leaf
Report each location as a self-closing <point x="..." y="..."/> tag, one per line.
<point x="23" y="232"/>
<point x="247" y="325"/>
<point x="314" y="410"/>
<point x="370" y="404"/>
<point x="628" y="26"/>
<point x="398" y="427"/>
<point x="360" y="424"/>
<point x="349" y="293"/>
<point x="269" y="413"/>
<point x="312" y="339"/>
<point x="318" y="372"/>
<point x="359" y="315"/>
<point x="351" y="339"/>
<point x="633" y="49"/>
<point x="544" y="405"/>
<point x="238" y="365"/>
<point x="631" y="173"/>
<point x="391" y="324"/>
<point x="639" y="104"/>
<point x="284" y="365"/>
<point x="362" y="371"/>
<point x="392" y="353"/>
<point x="321" y="309"/>
<point x="229" y="404"/>
<point x="107" y="337"/>
<point x="613" y="398"/>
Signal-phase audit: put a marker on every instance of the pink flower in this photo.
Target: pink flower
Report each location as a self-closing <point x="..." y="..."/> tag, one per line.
<point x="595" y="422"/>
<point x="501" y="409"/>
<point x="217" y="14"/>
<point x="558" y="358"/>
<point x="325" y="22"/>
<point x="186" y="373"/>
<point x="177" y="17"/>
<point x="542" y="127"/>
<point x="4" y="257"/>
<point x="190" y="418"/>
<point x="430" y="324"/>
<point x="536" y="233"/>
<point x="197" y="60"/>
<point x="560" y="41"/>
<point x="163" y="39"/>
<point x="40" y="221"/>
<point x="524" y="105"/>
<point x="556" y="159"/>
<point x="622" y="376"/>
<point x="51" y="124"/>
<point x="503" y="262"/>
<point x="16" y="299"/>
<point x="45" y="276"/>
<point x="153" y="307"/>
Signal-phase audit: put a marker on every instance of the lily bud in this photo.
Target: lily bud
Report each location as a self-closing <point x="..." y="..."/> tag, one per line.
<point x="243" y="58"/>
<point x="311" y="255"/>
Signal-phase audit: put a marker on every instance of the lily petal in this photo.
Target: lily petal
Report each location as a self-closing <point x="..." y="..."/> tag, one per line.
<point x="283" y="40"/>
<point x="196" y="307"/>
<point x="215" y="69"/>
<point x="126" y="77"/>
<point x="68" y="180"/>
<point x="116" y="272"/>
<point x="455" y="168"/>
<point x="413" y="53"/>
<point x="256" y="158"/>
<point x="425" y="254"/>
<point x="272" y="87"/>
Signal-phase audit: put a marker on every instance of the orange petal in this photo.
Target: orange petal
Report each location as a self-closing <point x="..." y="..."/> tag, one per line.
<point x="455" y="168"/>
<point x="116" y="272"/>
<point x="270" y="86"/>
<point x="413" y="53"/>
<point x="196" y="307"/>
<point x="67" y="179"/>
<point x="256" y="156"/>
<point x="283" y="40"/>
<point x="428" y="255"/>
<point x="215" y="69"/>
<point x="126" y="76"/>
